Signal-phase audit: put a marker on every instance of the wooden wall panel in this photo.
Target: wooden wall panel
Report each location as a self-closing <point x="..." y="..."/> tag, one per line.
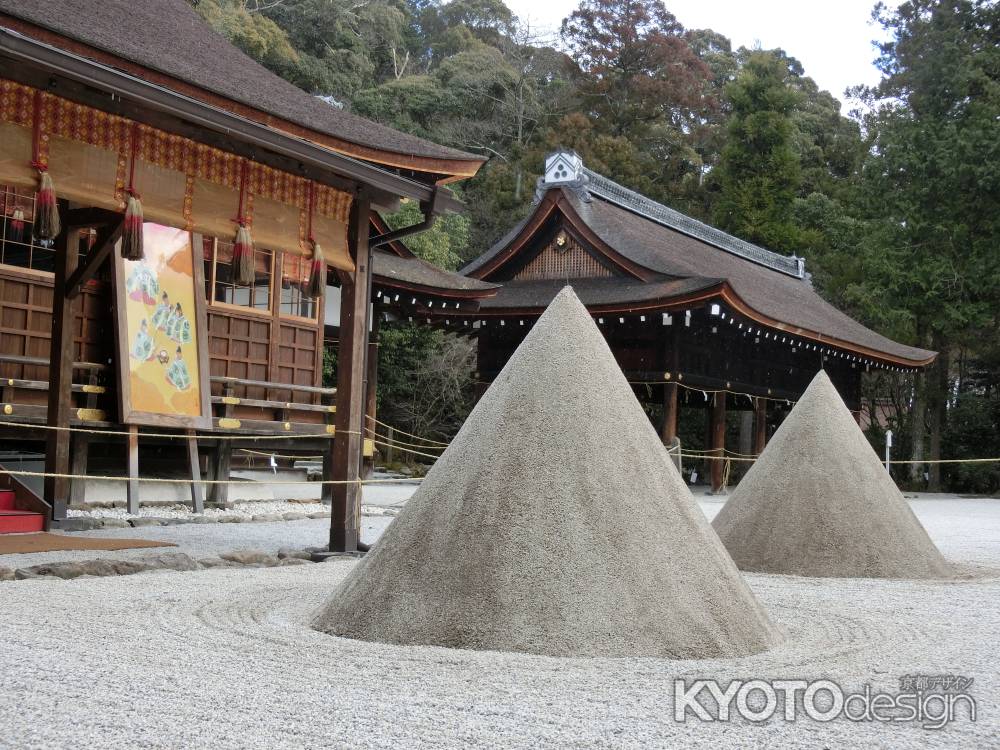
<point x="296" y="358"/>
<point x="568" y="262"/>
<point x="26" y="323"/>
<point x="237" y="348"/>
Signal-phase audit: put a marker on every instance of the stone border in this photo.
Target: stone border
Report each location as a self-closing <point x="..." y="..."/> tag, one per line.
<point x="86" y="523"/>
<point x="176" y="561"/>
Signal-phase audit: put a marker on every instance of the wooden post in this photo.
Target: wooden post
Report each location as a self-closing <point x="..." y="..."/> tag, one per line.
<point x="61" y="355"/>
<point x="371" y="388"/>
<point x="218" y="494"/>
<point x="759" y="425"/>
<point x="345" y="464"/>
<point x="78" y="467"/>
<point x="197" y="498"/>
<point x="132" y="488"/>
<point x="669" y="431"/>
<point x="390" y="450"/>
<point x="718" y="429"/>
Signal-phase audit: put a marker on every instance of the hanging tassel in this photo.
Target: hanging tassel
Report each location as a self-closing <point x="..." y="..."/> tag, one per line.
<point x="317" y="273"/>
<point x="17" y="225"/>
<point x="132" y="230"/>
<point x="243" y="270"/>
<point x="132" y="248"/>
<point x="47" y="224"/>
<point x="316" y="282"/>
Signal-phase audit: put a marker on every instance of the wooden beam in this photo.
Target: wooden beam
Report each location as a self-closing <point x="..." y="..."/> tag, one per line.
<point x="91" y="216"/>
<point x="759" y="425"/>
<point x="718" y="431"/>
<point x="106" y="240"/>
<point x="61" y="351"/>
<point x="345" y="465"/>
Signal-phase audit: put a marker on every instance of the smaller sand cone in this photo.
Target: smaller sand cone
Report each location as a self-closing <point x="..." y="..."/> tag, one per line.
<point x="317" y="274"/>
<point x="819" y="502"/>
<point x="132" y="231"/>
<point x="47" y="223"/>
<point x="243" y="269"/>
<point x="17" y="225"/>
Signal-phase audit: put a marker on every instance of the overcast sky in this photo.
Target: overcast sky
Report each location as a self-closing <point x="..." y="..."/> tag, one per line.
<point x="832" y="40"/>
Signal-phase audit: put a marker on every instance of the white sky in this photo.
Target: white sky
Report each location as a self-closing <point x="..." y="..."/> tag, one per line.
<point x="832" y="40"/>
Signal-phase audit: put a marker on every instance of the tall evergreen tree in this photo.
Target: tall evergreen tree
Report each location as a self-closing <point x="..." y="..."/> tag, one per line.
<point x="932" y="188"/>
<point x="758" y="173"/>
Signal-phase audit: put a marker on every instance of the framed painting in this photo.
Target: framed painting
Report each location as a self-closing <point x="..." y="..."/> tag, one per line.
<point x="163" y="368"/>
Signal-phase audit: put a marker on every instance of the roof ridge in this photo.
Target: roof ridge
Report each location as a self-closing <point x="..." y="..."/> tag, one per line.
<point x="630" y="200"/>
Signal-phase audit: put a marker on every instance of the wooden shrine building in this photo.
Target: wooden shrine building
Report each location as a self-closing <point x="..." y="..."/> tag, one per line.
<point x="201" y="335"/>
<point x="690" y="312"/>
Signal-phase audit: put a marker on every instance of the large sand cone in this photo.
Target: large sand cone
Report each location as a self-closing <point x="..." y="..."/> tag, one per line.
<point x="555" y="523"/>
<point x="819" y="502"/>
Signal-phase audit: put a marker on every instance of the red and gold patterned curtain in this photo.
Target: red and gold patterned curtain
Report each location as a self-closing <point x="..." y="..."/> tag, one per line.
<point x="183" y="183"/>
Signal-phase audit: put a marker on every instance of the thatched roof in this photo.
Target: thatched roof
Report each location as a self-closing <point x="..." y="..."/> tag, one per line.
<point x="664" y="245"/>
<point x="166" y="41"/>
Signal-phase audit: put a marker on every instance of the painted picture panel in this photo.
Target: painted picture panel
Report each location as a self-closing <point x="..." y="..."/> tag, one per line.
<point x="161" y="323"/>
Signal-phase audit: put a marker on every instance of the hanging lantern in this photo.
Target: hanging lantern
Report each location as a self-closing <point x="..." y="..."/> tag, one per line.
<point x="132" y="230"/>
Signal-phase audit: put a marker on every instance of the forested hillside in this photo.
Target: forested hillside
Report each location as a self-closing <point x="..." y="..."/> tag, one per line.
<point x="896" y="209"/>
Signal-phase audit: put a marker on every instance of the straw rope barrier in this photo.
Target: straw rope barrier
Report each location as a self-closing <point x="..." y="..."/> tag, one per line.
<point x="178" y="436"/>
<point x="161" y="480"/>
<point x="403" y="432"/>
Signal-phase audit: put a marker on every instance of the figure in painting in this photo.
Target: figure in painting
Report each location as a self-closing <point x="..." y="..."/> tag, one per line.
<point x="161" y="316"/>
<point x="142" y="285"/>
<point x="177" y="374"/>
<point x="178" y="326"/>
<point x="142" y="345"/>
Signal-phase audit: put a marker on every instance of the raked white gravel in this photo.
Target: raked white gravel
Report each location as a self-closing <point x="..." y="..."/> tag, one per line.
<point x="225" y="659"/>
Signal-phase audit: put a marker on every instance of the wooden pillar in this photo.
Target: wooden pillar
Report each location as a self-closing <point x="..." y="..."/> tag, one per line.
<point x="371" y="392"/>
<point x="218" y="494"/>
<point x="61" y="355"/>
<point x="668" y="433"/>
<point x="132" y="486"/>
<point x="759" y="425"/>
<point x="345" y="465"/>
<point x="197" y="498"/>
<point x="718" y="431"/>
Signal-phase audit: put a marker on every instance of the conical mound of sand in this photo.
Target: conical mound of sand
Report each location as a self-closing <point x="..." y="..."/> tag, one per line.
<point x="819" y="502"/>
<point x="555" y="524"/>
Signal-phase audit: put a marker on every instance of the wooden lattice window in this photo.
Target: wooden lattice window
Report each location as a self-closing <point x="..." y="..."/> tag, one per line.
<point x="18" y="247"/>
<point x="220" y="284"/>
<point x="294" y="277"/>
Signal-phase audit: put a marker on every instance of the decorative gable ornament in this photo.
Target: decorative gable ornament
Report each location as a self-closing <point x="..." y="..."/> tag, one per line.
<point x="563" y="167"/>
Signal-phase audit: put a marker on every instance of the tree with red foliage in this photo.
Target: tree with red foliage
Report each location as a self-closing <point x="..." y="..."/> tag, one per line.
<point x="640" y="77"/>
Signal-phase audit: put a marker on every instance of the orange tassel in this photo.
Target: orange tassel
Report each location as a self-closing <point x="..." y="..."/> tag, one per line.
<point x="317" y="274"/>
<point x="243" y="270"/>
<point x="47" y="223"/>
<point x="132" y="230"/>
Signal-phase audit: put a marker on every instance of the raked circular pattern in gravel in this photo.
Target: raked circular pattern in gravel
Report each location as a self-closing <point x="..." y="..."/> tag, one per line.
<point x="225" y="659"/>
